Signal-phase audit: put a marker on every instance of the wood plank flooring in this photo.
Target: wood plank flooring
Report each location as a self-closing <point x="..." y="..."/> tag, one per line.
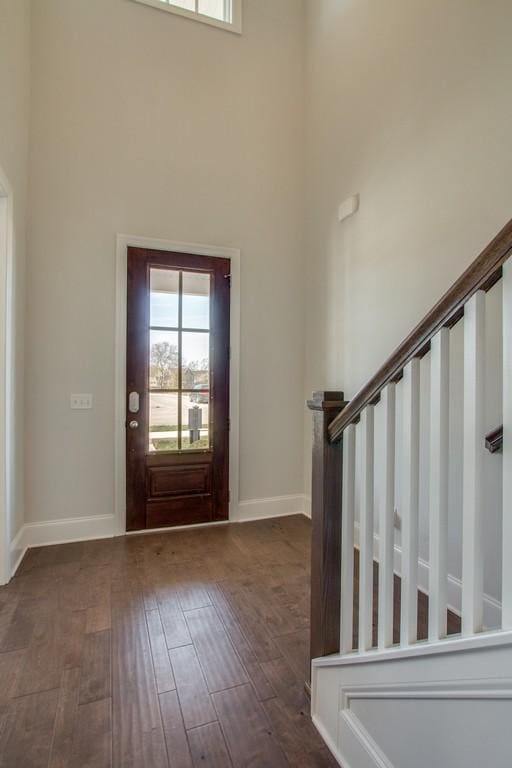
<point x="166" y="650"/>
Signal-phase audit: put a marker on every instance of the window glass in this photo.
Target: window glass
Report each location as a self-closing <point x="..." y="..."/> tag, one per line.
<point x="163" y="422"/>
<point x="194" y="421"/>
<point x="195" y="364"/>
<point x="164" y="297"/>
<point x="188" y="5"/>
<point x="179" y="360"/>
<point x="226" y="14"/>
<point x="216" y="9"/>
<point x="163" y="359"/>
<point x="196" y="300"/>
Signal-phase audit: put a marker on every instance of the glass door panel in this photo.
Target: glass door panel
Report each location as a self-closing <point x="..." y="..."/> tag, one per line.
<point x="195" y="372"/>
<point x="179" y="361"/>
<point x="163" y="359"/>
<point x="163" y="422"/>
<point x="164" y="298"/>
<point x="196" y="300"/>
<point x="195" y="432"/>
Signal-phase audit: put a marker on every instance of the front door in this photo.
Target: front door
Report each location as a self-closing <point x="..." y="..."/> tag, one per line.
<point x="177" y="403"/>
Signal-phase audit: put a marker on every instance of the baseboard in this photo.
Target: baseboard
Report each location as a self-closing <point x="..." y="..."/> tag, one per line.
<point x="329" y="743"/>
<point x="261" y="509"/>
<point x="492" y="607"/>
<point x="104" y="526"/>
<point x="17" y="551"/>
<point x="60" y="532"/>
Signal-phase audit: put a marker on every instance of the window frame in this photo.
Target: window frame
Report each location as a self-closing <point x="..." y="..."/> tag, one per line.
<point x="235" y="25"/>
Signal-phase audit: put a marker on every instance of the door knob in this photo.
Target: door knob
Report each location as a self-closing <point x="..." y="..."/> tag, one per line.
<point x="133" y="424"/>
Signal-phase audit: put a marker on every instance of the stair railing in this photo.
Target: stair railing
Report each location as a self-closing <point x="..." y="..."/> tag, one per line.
<point x="336" y="482"/>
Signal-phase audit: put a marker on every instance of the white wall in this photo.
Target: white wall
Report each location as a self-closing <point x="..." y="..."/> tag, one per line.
<point x="405" y="105"/>
<point x="14" y="148"/>
<point x="147" y="123"/>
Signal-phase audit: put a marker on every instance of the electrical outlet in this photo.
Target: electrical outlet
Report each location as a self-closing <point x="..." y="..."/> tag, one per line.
<point x="397" y="521"/>
<point x="81" y="402"/>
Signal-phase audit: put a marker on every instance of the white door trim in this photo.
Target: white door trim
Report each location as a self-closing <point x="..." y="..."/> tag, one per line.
<point x="123" y="242"/>
<point x="6" y="374"/>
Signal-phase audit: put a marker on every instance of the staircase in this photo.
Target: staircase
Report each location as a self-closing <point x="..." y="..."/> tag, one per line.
<point x="411" y="663"/>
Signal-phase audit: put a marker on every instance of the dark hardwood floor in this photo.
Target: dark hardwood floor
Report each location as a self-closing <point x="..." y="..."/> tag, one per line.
<point x="172" y="650"/>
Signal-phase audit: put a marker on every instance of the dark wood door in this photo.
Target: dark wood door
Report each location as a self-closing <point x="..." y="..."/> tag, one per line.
<point x="177" y="402"/>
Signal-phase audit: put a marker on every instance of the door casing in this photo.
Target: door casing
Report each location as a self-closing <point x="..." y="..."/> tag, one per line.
<point x="123" y="242"/>
<point x="6" y="377"/>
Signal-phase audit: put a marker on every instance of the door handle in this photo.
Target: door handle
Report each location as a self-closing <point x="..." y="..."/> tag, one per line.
<point x="133" y="424"/>
<point x="133" y="402"/>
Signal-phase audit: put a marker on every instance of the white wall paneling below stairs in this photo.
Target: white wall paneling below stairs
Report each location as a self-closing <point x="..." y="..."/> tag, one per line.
<point x="390" y="710"/>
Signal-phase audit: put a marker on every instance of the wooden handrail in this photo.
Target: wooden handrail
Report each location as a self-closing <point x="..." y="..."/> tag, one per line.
<point x="494" y="440"/>
<point x="482" y="274"/>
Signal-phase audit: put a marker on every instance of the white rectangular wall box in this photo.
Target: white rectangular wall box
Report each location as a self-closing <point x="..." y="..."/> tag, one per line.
<point x="81" y="402"/>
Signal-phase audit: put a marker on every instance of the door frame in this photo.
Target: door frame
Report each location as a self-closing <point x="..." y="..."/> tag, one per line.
<point x="123" y="243"/>
<point x="6" y="375"/>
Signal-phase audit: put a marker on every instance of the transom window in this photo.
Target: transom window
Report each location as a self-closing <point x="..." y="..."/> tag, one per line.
<point x="226" y="14"/>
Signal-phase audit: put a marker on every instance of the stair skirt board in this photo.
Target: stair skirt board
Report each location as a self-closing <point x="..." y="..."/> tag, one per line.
<point x="446" y="709"/>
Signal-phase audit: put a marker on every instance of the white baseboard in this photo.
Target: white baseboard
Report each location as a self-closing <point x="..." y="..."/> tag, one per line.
<point x="104" y="526"/>
<point x="17" y="551"/>
<point x="60" y="532"/>
<point x="333" y="749"/>
<point x="261" y="509"/>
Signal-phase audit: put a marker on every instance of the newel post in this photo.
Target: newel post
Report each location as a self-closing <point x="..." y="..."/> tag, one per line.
<point x="326" y="526"/>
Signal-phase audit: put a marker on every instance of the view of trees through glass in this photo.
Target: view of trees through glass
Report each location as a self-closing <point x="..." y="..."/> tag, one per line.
<point x="179" y="360"/>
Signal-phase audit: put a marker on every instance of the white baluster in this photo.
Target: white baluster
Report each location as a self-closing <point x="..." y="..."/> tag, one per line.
<point x="347" y="538"/>
<point x="473" y="452"/>
<point x="439" y="435"/>
<point x="506" y="589"/>
<point x="386" y="520"/>
<point x="366" y="530"/>
<point x="410" y="502"/>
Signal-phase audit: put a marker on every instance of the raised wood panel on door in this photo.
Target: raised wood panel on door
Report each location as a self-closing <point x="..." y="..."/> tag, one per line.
<point x="179" y="481"/>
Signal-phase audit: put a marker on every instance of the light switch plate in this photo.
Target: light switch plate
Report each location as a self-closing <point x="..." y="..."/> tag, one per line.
<point x="81" y="402"/>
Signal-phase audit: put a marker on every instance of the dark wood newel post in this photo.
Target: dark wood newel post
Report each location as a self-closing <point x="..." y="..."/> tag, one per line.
<point x="326" y="526"/>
